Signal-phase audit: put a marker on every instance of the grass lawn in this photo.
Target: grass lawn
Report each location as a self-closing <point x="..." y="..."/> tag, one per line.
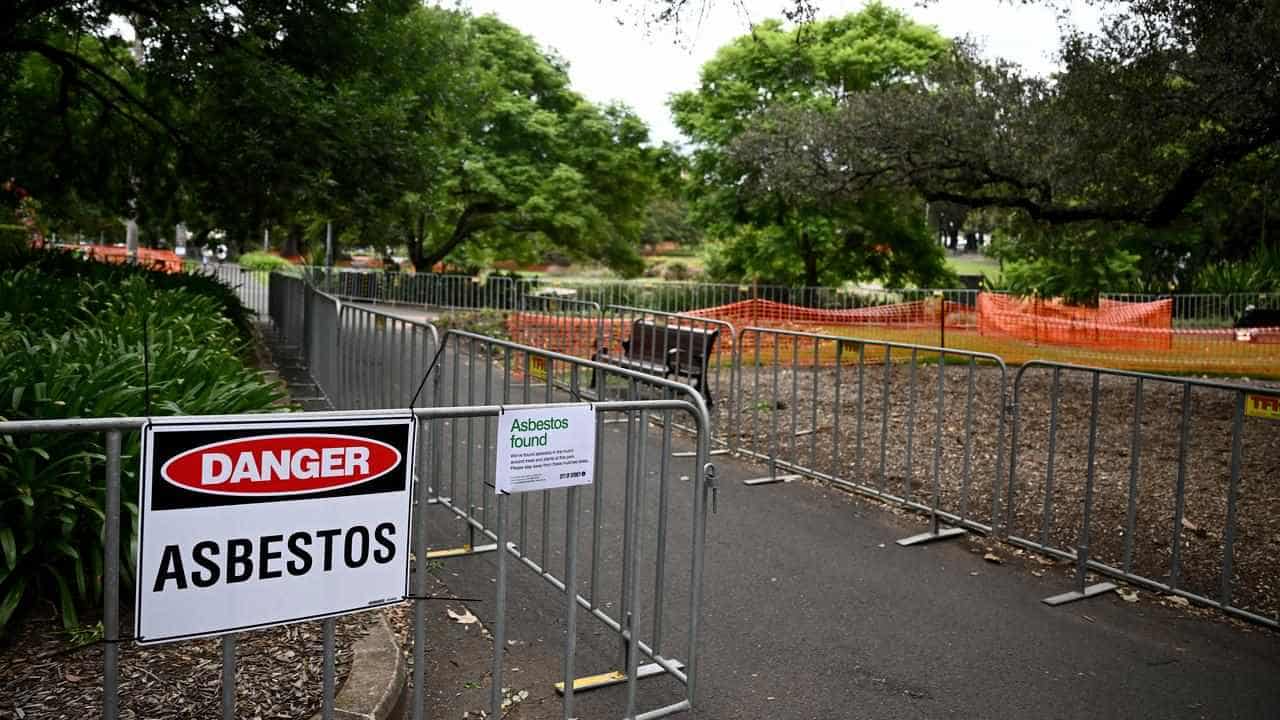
<point x="974" y="264"/>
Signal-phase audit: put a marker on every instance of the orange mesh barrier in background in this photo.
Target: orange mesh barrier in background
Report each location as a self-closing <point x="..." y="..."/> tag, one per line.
<point x="567" y="334"/>
<point x="768" y="313"/>
<point x="165" y="260"/>
<point x="1112" y="325"/>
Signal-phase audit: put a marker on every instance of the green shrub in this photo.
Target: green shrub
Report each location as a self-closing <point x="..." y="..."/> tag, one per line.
<point x="265" y="262"/>
<point x="1076" y="274"/>
<point x="71" y="345"/>
<point x="1260" y="273"/>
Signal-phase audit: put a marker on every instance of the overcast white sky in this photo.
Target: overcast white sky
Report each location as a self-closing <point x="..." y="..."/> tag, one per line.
<point x="611" y="58"/>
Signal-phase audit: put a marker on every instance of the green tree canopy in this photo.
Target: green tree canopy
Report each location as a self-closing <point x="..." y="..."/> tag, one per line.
<point x="534" y="166"/>
<point x="400" y="122"/>
<point x="763" y="225"/>
<point x="1157" y="138"/>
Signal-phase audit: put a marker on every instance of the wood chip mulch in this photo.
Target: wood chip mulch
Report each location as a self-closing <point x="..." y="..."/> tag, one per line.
<point x="43" y="674"/>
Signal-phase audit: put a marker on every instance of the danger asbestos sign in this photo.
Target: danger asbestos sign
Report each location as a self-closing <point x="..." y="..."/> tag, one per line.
<point x="252" y="521"/>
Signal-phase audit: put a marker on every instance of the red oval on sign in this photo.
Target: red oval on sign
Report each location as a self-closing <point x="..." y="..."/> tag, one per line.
<point x="293" y="464"/>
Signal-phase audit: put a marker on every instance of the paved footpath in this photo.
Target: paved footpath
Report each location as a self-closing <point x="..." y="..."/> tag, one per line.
<point x="811" y="611"/>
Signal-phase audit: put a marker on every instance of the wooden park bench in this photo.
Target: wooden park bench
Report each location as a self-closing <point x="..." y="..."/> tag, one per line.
<point x="668" y="351"/>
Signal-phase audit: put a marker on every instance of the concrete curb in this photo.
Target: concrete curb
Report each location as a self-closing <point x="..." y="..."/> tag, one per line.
<point x="376" y="688"/>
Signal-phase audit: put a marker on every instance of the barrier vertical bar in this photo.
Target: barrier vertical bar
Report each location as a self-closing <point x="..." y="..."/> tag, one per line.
<point x="1228" y="547"/>
<point x="471" y="400"/>
<point x="111" y="583"/>
<point x="862" y="374"/>
<point x="795" y="397"/>
<point x="633" y="563"/>
<point x="967" y="464"/>
<point x="328" y="670"/>
<point x="1082" y="551"/>
<point x="659" y="583"/>
<point x="486" y="455"/>
<point x="571" y="595"/>
<point x="837" y="436"/>
<point x="935" y="532"/>
<point x="1179" y="499"/>
<point x="422" y="497"/>
<point x="500" y="612"/>
<point x="884" y="421"/>
<point x="1046" y="521"/>
<point x="228" y="677"/>
<point x="546" y="494"/>
<point x="629" y="474"/>
<point x="908" y="471"/>
<point x="1135" y="464"/>
<point x="813" y="413"/>
<point x="999" y="467"/>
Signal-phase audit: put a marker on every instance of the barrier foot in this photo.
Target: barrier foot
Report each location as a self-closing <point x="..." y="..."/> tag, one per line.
<point x="460" y="551"/>
<point x="693" y="453"/>
<point x="439" y="501"/>
<point x="616" y="677"/>
<point x="928" y="537"/>
<point x="767" y="480"/>
<point x="1074" y="595"/>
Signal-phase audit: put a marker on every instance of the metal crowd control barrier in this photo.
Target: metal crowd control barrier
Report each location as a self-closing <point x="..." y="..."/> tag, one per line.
<point x="114" y="429"/>
<point x="381" y="357"/>
<point x="288" y="309"/>
<point x="1137" y="456"/>
<point x="480" y="370"/>
<point x="648" y="334"/>
<point x="794" y="389"/>
<point x="791" y="396"/>
<point x="428" y="289"/>
<point x="250" y="285"/>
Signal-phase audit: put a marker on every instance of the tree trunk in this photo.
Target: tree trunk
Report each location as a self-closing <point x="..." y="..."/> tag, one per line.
<point x="292" y="241"/>
<point x="810" y="260"/>
<point x="473" y="219"/>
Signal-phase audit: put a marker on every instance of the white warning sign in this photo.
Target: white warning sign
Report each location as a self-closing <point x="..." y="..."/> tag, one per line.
<point x="547" y="447"/>
<point x="253" y="521"/>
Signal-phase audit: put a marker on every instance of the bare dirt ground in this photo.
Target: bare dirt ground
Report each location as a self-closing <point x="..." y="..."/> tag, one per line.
<point x="972" y="468"/>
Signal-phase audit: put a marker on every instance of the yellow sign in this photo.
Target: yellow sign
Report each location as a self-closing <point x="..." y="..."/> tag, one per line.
<point x="1263" y="406"/>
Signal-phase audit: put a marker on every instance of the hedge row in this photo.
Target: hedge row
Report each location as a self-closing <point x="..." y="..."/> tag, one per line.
<point x="72" y="345"/>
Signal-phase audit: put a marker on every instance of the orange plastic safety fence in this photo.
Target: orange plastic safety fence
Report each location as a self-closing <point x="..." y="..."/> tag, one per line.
<point x="165" y="260"/>
<point x="567" y="334"/>
<point x="769" y="313"/>
<point x="1112" y="325"/>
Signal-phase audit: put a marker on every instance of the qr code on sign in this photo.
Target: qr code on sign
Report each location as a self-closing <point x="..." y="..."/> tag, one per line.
<point x="566" y="476"/>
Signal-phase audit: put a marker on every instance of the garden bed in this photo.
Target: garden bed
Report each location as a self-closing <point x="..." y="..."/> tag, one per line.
<point x="49" y="675"/>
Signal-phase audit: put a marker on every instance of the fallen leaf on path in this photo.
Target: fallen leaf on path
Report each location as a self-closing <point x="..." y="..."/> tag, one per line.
<point x="993" y="558"/>
<point x="1130" y="596"/>
<point x="463" y="618"/>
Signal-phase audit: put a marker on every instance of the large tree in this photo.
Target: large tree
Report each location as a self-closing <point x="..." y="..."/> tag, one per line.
<point x="766" y="227"/>
<point x="534" y="166"/>
<point x="1159" y="131"/>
